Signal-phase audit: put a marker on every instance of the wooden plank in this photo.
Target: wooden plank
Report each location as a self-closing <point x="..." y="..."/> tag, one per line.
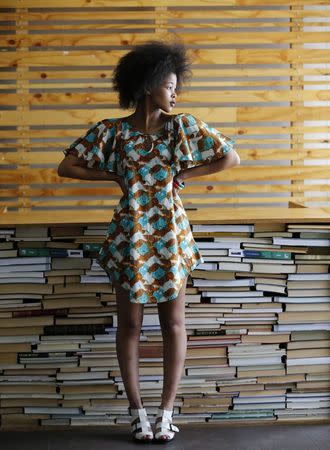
<point x="127" y="38"/>
<point x="125" y="26"/>
<point x="171" y="14"/>
<point x="199" y="75"/>
<point x="207" y="86"/>
<point x="60" y="203"/>
<point x="78" y="58"/>
<point x="265" y="173"/>
<point x="242" y="131"/>
<point x="262" y="154"/>
<point x="152" y="3"/>
<point x="209" y="114"/>
<point x="210" y="215"/>
<point x="67" y="133"/>
<point x="188" y="96"/>
<point x="190" y="189"/>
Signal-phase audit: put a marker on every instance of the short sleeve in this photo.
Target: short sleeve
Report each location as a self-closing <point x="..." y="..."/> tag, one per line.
<point x="197" y="143"/>
<point x="97" y="146"/>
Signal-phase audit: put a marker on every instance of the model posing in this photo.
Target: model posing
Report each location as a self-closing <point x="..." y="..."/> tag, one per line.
<point x="149" y="250"/>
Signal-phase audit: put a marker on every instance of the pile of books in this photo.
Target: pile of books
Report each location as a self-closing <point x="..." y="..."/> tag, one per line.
<point x="257" y="321"/>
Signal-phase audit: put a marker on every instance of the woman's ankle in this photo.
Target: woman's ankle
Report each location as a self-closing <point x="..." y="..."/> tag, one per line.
<point x="136" y="406"/>
<point x="168" y="407"/>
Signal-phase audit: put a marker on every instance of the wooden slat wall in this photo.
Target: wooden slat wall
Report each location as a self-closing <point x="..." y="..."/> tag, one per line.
<point x="260" y="76"/>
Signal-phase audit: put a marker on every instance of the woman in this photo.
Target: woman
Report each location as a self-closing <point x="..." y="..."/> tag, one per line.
<point x="149" y="250"/>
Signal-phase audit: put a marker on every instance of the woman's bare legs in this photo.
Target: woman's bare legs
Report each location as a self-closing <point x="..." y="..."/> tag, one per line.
<point x="172" y="322"/>
<point x="130" y="317"/>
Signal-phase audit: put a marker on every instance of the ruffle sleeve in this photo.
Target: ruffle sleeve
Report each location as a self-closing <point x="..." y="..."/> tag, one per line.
<point x="197" y="143"/>
<point x="97" y="146"/>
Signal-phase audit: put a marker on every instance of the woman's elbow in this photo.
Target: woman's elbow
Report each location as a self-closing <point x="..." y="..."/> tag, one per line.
<point x="60" y="170"/>
<point x="235" y="159"/>
<point x="63" y="170"/>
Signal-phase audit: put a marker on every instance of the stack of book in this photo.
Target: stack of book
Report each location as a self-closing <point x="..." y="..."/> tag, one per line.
<point x="257" y="321"/>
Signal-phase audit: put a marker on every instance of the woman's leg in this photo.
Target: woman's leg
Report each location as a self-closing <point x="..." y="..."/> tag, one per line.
<point x="172" y="322"/>
<point x="130" y="317"/>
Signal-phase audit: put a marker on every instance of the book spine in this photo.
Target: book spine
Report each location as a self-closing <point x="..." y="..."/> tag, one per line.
<point x="259" y="254"/>
<point x="53" y="330"/>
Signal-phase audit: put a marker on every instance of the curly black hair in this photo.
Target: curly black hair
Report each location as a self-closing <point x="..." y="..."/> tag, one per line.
<point x="146" y="66"/>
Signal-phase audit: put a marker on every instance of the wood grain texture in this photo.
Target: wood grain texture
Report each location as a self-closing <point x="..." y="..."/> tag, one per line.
<point x="260" y="76"/>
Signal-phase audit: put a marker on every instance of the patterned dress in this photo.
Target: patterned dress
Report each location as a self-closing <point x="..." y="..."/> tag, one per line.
<point x="149" y="247"/>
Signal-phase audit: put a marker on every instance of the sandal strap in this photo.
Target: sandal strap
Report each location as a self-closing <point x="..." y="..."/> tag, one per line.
<point x="165" y="423"/>
<point x="163" y="426"/>
<point x="140" y="423"/>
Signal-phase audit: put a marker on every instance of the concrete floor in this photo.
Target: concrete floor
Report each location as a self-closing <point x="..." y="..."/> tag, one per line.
<point x="208" y="437"/>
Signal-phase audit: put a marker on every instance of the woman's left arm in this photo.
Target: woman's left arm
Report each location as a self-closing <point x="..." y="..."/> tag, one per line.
<point x="229" y="160"/>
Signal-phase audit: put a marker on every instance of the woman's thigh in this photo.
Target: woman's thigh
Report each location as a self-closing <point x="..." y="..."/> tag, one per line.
<point x="130" y="315"/>
<point x="173" y="312"/>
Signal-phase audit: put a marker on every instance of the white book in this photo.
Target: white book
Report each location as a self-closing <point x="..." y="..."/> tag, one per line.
<point x="240" y="294"/>
<point x="33" y="339"/>
<point x="22" y="280"/>
<point x="258" y="399"/>
<point x="26" y="260"/>
<point x="245" y="319"/>
<point x="268" y="261"/>
<point x="256" y="361"/>
<point x="302" y="299"/>
<point x="274" y="268"/>
<point x="253" y="347"/>
<point x="208" y="252"/>
<point x="307" y="361"/>
<point x="242" y="282"/>
<point x="244" y="267"/>
<point x="51" y="410"/>
<point x="33" y="238"/>
<point x="20" y="296"/>
<point x="208" y="265"/>
<point x="94" y="279"/>
<point x="261" y="405"/>
<point x="216" y="245"/>
<point x="302" y="395"/>
<point x="22" y="268"/>
<point x="9" y="275"/>
<point x="221" y="227"/>
<point x="270" y="288"/>
<point x="309" y="276"/>
<point x="302" y="326"/>
<point x="257" y="310"/>
<point x="303" y="242"/>
<point x="239" y="300"/>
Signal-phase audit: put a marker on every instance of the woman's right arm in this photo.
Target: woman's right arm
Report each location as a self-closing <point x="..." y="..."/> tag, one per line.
<point x="73" y="167"/>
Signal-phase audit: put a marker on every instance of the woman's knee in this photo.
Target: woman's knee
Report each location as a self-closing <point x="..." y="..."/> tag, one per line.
<point x="129" y="315"/>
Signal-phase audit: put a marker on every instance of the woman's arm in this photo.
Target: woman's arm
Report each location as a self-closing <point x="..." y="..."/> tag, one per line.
<point x="73" y="167"/>
<point x="229" y="160"/>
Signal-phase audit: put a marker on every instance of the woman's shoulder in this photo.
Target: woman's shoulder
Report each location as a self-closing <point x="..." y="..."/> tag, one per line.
<point x="187" y="120"/>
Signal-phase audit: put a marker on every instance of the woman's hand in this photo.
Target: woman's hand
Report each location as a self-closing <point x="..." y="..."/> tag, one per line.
<point x="177" y="180"/>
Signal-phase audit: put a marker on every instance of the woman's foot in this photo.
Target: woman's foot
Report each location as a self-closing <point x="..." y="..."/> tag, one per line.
<point x="164" y="429"/>
<point x="140" y="425"/>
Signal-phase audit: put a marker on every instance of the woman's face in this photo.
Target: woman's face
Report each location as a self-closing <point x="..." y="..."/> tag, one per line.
<point x="164" y="95"/>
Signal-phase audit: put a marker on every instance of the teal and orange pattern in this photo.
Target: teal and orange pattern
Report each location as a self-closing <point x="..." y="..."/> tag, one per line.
<point x="149" y="247"/>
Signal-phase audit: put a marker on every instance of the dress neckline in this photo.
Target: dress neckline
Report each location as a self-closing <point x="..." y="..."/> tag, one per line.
<point x="156" y="133"/>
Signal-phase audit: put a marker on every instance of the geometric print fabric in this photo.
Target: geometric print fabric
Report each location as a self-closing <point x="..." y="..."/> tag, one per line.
<point x="149" y="247"/>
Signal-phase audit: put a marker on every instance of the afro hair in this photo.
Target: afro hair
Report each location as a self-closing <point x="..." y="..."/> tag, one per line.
<point x="146" y="66"/>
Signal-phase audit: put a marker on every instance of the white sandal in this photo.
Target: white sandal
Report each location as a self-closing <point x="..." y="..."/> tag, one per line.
<point x="140" y="425"/>
<point x="164" y="430"/>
